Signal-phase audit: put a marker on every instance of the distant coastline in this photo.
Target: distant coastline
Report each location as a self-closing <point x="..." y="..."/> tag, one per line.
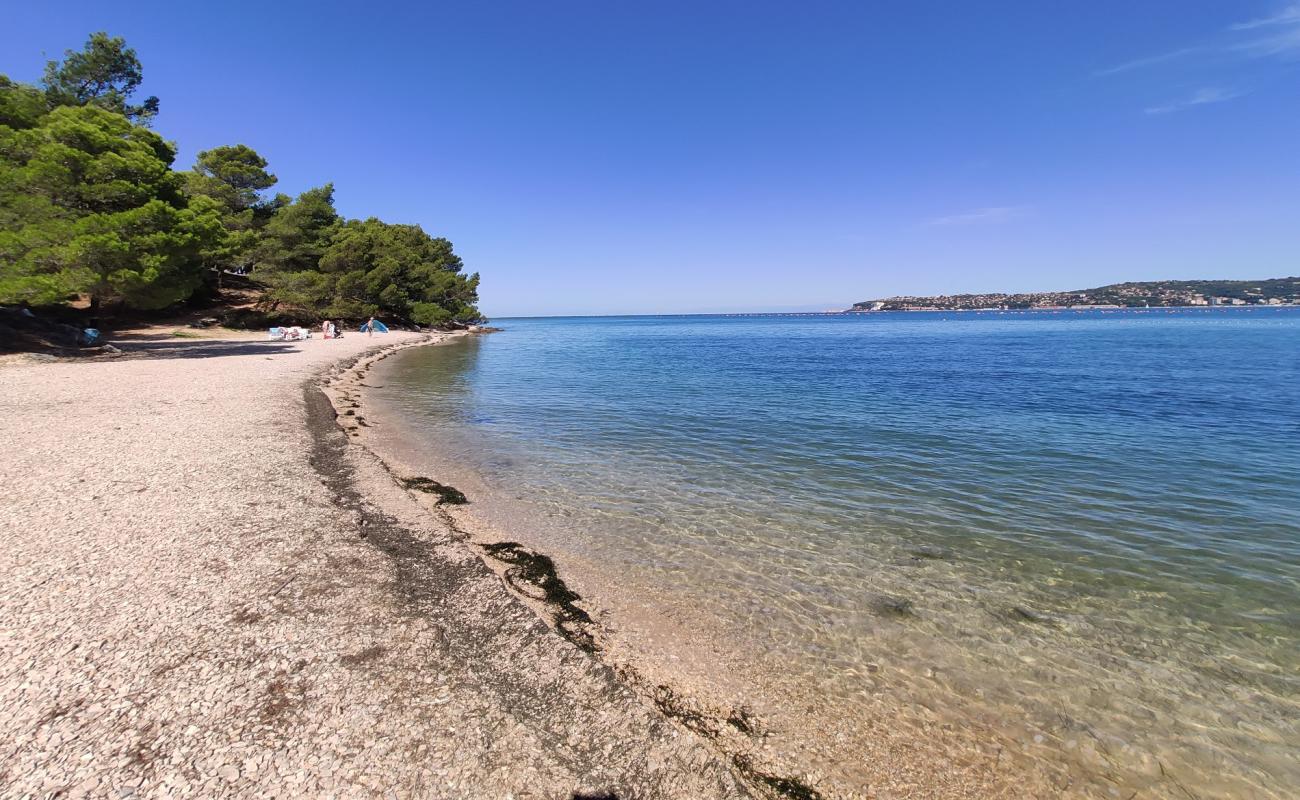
<point x="857" y="311"/>
<point x="1148" y="294"/>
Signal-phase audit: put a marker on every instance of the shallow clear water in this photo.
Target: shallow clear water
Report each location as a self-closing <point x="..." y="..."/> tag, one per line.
<point x="1086" y="521"/>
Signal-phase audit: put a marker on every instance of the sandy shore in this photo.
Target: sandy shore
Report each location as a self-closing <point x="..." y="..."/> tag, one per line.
<point x="207" y="592"/>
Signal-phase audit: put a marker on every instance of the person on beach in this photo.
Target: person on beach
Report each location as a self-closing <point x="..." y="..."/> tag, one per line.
<point x="325" y="330"/>
<point x="370" y="327"/>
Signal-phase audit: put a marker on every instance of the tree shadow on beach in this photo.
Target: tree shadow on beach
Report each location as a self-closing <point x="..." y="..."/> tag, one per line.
<point x="150" y="347"/>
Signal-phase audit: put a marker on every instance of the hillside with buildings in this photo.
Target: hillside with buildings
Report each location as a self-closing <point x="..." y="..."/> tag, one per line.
<point x="1273" y="291"/>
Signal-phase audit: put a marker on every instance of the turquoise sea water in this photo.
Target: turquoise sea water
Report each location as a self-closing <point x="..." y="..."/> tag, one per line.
<point x="1088" y="516"/>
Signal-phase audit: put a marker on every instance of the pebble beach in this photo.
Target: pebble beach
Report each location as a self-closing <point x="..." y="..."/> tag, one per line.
<point x="208" y="593"/>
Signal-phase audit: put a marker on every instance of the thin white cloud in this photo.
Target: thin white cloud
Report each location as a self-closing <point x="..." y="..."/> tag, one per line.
<point x="979" y="216"/>
<point x="1276" y="36"/>
<point x="1287" y="16"/>
<point x="1279" y="45"/>
<point x="1149" y="61"/>
<point x="1201" y="97"/>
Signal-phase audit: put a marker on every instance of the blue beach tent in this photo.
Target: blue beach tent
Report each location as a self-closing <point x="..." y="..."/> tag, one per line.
<point x="379" y="327"/>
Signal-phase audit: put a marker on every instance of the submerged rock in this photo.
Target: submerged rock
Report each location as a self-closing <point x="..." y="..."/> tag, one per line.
<point x="1022" y="614"/>
<point x="931" y="554"/>
<point x="891" y="605"/>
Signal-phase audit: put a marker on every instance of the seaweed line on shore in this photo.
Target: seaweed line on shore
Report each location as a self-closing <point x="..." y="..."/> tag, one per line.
<point x="533" y="577"/>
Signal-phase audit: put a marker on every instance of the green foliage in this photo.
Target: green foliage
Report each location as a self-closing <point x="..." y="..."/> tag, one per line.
<point x="296" y="237"/>
<point x="229" y="181"/>
<point x="236" y="175"/>
<point x="21" y="106"/>
<point x="105" y="74"/>
<point x="367" y="268"/>
<point x="85" y="159"/>
<point x="89" y="204"/>
<point x="399" y="270"/>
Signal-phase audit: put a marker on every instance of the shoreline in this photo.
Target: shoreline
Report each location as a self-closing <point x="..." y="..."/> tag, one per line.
<point x="750" y="723"/>
<point x="533" y="580"/>
<point x="214" y="595"/>
<point x="208" y="597"/>
<point x="908" y="703"/>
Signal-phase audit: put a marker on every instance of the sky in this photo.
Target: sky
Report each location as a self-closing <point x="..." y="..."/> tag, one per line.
<point x="677" y="157"/>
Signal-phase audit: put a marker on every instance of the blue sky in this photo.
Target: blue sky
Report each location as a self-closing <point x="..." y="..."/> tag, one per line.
<point x="604" y="157"/>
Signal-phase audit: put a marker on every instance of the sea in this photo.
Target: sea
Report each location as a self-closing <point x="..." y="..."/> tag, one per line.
<point x="1079" y="530"/>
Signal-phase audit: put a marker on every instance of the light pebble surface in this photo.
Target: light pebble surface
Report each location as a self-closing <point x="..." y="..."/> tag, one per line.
<point x="205" y="596"/>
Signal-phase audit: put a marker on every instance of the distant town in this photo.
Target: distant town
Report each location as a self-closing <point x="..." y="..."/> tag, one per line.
<point x="1147" y="294"/>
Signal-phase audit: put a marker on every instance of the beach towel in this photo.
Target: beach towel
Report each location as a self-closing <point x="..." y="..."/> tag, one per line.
<point x="292" y="333"/>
